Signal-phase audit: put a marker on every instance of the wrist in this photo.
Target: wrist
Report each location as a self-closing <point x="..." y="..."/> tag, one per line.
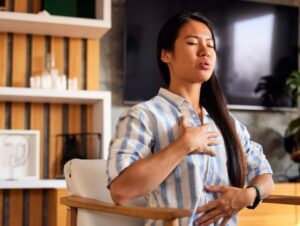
<point x="183" y="144"/>
<point x="250" y="196"/>
<point x="180" y="146"/>
<point x="258" y="196"/>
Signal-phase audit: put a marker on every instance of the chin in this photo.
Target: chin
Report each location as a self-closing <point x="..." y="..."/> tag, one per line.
<point x="204" y="78"/>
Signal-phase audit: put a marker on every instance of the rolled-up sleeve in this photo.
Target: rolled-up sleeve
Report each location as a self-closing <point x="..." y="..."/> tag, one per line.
<point x="133" y="140"/>
<point x="257" y="164"/>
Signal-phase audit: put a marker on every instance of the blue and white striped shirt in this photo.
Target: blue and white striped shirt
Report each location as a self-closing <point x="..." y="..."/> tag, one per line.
<point x="150" y="126"/>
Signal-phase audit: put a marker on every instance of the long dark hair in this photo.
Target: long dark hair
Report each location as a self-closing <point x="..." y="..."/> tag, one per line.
<point x="211" y="97"/>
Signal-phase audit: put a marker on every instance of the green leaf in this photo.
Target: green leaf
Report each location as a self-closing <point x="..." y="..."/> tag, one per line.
<point x="297" y="136"/>
<point x="293" y="82"/>
<point x="293" y="79"/>
<point x="294" y="124"/>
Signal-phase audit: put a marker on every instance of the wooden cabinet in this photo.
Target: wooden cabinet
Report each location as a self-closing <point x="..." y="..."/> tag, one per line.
<point x="48" y="192"/>
<point x="25" y="41"/>
<point x="41" y="24"/>
<point x="58" y="214"/>
<point x="99" y="100"/>
<point x="273" y="214"/>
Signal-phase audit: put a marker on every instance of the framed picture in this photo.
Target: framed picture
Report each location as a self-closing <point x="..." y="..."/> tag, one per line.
<point x="19" y="154"/>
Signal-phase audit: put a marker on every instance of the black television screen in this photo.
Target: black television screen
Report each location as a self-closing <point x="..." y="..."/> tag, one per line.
<point x="257" y="48"/>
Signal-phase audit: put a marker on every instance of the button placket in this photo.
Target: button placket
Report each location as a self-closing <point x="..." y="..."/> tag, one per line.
<point x="184" y="110"/>
<point x="195" y="117"/>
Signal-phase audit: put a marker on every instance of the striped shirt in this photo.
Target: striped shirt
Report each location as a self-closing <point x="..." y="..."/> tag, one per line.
<point x="148" y="127"/>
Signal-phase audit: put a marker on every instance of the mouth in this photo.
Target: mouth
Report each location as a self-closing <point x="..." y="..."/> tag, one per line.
<point x="204" y="65"/>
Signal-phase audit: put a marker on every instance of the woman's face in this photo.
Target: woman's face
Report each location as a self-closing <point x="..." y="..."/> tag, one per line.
<point x="193" y="58"/>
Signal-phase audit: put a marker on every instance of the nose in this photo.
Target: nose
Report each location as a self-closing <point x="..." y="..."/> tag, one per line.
<point x="203" y="51"/>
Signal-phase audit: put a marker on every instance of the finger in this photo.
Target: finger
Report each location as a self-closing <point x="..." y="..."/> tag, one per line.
<point x="182" y="122"/>
<point x="210" y="221"/>
<point x="213" y="134"/>
<point x="205" y="126"/>
<point x="224" y="221"/>
<point x="210" y="152"/>
<point x="209" y="216"/>
<point x="207" y="207"/>
<point x="216" y="188"/>
<point x="213" y="142"/>
<point x="207" y="151"/>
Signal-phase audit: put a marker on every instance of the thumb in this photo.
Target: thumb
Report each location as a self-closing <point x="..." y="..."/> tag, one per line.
<point x="182" y="122"/>
<point x="215" y="188"/>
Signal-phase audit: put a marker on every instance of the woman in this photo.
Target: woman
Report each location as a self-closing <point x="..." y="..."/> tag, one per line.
<point x="182" y="148"/>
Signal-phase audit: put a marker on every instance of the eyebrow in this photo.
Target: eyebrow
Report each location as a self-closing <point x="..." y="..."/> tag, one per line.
<point x="199" y="37"/>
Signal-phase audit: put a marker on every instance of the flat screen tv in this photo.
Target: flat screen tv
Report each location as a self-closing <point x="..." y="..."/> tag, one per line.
<point x="257" y="48"/>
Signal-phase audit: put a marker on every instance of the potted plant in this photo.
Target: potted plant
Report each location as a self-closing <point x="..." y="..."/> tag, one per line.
<point x="292" y="138"/>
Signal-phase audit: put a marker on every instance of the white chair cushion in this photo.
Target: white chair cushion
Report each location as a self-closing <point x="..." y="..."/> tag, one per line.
<point x="87" y="178"/>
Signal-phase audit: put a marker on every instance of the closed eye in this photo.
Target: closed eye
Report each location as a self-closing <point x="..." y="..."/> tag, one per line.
<point x="192" y="43"/>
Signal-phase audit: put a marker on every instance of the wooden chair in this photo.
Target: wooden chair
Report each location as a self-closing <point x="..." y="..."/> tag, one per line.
<point x="90" y="204"/>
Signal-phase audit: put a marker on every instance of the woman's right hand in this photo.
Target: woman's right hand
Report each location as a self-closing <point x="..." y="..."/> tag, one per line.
<point x="198" y="139"/>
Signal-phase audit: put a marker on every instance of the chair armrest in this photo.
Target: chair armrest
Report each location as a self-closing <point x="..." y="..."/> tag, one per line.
<point x="283" y="199"/>
<point x="154" y="213"/>
<point x="134" y="211"/>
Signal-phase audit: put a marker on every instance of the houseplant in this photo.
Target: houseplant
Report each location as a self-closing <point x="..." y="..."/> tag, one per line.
<point x="292" y="138"/>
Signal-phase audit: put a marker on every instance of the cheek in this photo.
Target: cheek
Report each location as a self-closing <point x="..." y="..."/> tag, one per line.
<point x="214" y="60"/>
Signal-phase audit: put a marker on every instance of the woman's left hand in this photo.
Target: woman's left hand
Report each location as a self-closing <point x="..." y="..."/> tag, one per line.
<point x="229" y="203"/>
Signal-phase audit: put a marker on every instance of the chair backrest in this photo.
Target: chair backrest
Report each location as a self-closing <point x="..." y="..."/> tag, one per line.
<point x="87" y="178"/>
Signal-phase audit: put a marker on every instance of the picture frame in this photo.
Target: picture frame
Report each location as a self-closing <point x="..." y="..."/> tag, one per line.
<point x="19" y="154"/>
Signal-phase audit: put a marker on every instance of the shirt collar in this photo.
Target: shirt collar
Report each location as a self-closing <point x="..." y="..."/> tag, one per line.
<point x="173" y="98"/>
<point x="178" y="101"/>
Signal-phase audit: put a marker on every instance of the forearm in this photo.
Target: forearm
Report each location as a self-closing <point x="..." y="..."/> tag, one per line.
<point x="265" y="183"/>
<point x="146" y="174"/>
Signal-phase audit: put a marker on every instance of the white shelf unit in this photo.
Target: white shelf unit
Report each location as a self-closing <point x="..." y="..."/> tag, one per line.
<point x="101" y="101"/>
<point x="33" y="184"/>
<point x="40" y="24"/>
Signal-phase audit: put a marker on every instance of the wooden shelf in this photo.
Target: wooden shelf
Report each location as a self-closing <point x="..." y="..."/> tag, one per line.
<point x="40" y="24"/>
<point x="32" y="184"/>
<point x="17" y="94"/>
<point x="101" y="101"/>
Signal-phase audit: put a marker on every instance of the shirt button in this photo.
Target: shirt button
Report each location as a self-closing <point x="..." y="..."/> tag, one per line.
<point x="194" y="116"/>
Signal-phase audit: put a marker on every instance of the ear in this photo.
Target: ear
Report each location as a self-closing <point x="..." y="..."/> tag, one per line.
<point x="165" y="56"/>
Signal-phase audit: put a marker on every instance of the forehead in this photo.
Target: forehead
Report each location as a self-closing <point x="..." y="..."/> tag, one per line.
<point x="194" y="27"/>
